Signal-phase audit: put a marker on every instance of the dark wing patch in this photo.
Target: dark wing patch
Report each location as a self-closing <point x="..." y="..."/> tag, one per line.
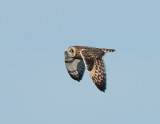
<point x="95" y="66"/>
<point x="89" y="63"/>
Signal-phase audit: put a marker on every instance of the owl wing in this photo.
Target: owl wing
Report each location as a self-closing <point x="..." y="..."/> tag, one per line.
<point x="75" y="67"/>
<point x="95" y="66"/>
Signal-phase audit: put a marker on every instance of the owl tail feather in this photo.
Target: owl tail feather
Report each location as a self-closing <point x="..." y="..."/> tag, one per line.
<point x="109" y="50"/>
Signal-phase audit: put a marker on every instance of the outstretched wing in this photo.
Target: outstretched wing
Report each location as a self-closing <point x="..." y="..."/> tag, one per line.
<point x="95" y="66"/>
<point x="75" y="67"/>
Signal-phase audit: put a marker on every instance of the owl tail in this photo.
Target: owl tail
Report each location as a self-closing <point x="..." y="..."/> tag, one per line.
<point x="109" y="50"/>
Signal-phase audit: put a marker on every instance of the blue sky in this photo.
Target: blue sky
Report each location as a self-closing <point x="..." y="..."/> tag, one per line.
<point x="35" y="87"/>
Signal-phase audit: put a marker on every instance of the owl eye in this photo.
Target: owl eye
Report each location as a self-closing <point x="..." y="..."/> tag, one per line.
<point x="71" y="51"/>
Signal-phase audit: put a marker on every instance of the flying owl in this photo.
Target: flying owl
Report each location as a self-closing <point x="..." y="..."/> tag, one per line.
<point x="77" y="58"/>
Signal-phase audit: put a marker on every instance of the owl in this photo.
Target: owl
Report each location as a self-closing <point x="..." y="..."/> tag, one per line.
<point x="77" y="58"/>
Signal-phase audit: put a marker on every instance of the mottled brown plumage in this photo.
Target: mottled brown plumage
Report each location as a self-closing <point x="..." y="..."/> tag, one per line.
<point x="93" y="60"/>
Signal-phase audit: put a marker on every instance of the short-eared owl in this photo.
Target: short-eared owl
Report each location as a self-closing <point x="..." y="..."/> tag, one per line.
<point x="79" y="57"/>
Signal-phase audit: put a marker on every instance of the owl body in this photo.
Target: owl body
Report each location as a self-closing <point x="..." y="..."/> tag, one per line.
<point x="77" y="58"/>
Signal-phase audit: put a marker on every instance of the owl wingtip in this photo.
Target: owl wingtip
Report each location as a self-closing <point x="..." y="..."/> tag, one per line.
<point x="103" y="90"/>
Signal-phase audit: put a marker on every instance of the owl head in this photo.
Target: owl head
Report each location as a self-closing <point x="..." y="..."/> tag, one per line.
<point x="70" y="52"/>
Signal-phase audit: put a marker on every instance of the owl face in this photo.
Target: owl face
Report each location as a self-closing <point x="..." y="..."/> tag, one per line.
<point x="70" y="52"/>
<point x="73" y="52"/>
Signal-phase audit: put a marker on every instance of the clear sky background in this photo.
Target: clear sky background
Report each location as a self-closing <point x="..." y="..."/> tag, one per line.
<point x="35" y="87"/>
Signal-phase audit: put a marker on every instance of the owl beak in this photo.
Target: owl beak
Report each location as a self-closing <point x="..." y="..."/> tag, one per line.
<point x="65" y="54"/>
<point x="66" y="51"/>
